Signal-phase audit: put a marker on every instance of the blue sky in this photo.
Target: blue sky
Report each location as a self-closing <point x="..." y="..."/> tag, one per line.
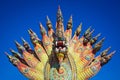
<point x="17" y="16"/>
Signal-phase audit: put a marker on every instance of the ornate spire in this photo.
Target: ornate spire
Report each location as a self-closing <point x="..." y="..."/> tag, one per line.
<point x="32" y="33"/>
<point x="12" y="59"/>
<point x="49" y="24"/>
<point x="110" y="55"/>
<point x="101" y="41"/>
<point x="87" y="37"/>
<point x="42" y="29"/>
<point x="69" y="24"/>
<point x="28" y="48"/>
<point x="106" y="58"/>
<point x="98" y="45"/>
<point x="59" y="24"/>
<point x="9" y="56"/>
<point x="104" y="53"/>
<point x="77" y="32"/>
<point x="34" y="38"/>
<point x="19" y="47"/>
<point x="51" y="33"/>
<point x="17" y="44"/>
<point x="25" y="43"/>
<point x="94" y="39"/>
<point x="16" y="54"/>
<point x="59" y="15"/>
<point x="87" y="31"/>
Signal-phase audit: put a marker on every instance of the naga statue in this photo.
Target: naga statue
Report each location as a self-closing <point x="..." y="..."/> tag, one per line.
<point x="59" y="56"/>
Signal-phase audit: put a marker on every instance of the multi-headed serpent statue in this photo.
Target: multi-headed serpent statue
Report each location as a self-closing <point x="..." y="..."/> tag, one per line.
<point x="59" y="56"/>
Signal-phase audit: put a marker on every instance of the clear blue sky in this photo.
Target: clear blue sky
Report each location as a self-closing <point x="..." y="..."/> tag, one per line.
<point x="17" y="16"/>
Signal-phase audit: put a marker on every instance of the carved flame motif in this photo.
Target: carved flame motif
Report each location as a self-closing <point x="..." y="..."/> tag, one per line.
<point x="59" y="56"/>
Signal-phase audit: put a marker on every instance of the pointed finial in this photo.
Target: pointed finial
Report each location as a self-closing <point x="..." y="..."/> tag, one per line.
<point x="87" y="31"/>
<point x="25" y="43"/>
<point x="59" y="15"/>
<point x="110" y="55"/>
<point x="98" y="35"/>
<point x="16" y="54"/>
<point x="69" y="24"/>
<point x="104" y="53"/>
<point x="108" y="49"/>
<point x="17" y="44"/>
<point x="78" y="30"/>
<point x="70" y="20"/>
<point x="32" y="34"/>
<point x="29" y="32"/>
<point x="9" y="56"/>
<point x="12" y="59"/>
<point x="41" y="25"/>
<point x="98" y="46"/>
<point x="101" y="41"/>
<point x="23" y="40"/>
<point x="19" y="47"/>
<point x="89" y="35"/>
<point x="48" y="20"/>
<point x="92" y="31"/>
<point x="92" y="41"/>
<point x="107" y="58"/>
<point x="49" y="25"/>
<point x="42" y="29"/>
<point x="11" y="50"/>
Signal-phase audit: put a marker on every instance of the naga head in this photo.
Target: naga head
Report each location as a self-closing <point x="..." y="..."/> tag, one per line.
<point x="15" y="61"/>
<point x="25" y="44"/>
<point x="60" y="49"/>
<point x="34" y="38"/>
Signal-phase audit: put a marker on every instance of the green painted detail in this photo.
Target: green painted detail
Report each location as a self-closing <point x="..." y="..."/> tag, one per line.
<point x="66" y="75"/>
<point x="26" y="70"/>
<point x="39" y="50"/>
<point x="94" y="69"/>
<point x="47" y="43"/>
<point x="88" y="58"/>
